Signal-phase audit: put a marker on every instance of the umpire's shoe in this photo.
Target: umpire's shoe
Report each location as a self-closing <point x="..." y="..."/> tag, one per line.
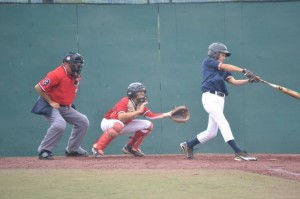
<point x="46" y="155"/>
<point x="79" y="153"/>
<point x="187" y="150"/>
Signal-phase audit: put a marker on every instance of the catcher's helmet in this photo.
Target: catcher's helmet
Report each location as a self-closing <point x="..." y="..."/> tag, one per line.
<point x="75" y="60"/>
<point x="216" y="48"/>
<point x="133" y="88"/>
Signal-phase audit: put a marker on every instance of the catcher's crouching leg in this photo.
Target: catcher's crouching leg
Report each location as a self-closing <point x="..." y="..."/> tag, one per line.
<point x="106" y="138"/>
<point x="133" y="145"/>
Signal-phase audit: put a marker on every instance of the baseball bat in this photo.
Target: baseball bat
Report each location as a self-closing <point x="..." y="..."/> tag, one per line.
<point x="283" y="89"/>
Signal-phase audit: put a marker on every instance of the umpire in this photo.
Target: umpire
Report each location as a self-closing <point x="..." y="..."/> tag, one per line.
<point x="57" y="93"/>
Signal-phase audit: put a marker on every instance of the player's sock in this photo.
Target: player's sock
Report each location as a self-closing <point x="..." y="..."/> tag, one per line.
<point x="234" y="146"/>
<point x="192" y="143"/>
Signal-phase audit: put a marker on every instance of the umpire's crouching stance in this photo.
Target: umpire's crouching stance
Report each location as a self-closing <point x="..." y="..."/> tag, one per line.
<point x="57" y="93"/>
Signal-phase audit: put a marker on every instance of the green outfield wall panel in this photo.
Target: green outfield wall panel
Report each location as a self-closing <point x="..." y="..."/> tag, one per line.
<point x="34" y="39"/>
<point x="120" y="47"/>
<point x="161" y="45"/>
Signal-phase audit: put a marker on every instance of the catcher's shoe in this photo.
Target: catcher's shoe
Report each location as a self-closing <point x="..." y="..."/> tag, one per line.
<point x="125" y="150"/>
<point x="79" y="153"/>
<point x="46" y="155"/>
<point x="137" y="153"/>
<point x="187" y="150"/>
<point x="97" y="153"/>
<point x="243" y="155"/>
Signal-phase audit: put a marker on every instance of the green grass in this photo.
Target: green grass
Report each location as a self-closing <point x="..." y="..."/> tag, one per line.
<point x="21" y="183"/>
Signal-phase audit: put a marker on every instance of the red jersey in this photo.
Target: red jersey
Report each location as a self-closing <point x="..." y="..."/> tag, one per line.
<point x="123" y="106"/>
<point x="59" y="85"/>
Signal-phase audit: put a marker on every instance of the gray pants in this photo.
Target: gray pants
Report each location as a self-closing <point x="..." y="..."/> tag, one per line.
<point x="58" y="121"/>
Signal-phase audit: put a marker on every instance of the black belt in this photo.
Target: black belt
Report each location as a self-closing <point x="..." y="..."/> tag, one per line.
<point x="64" y="106"/>
<point x="218" y="93"/>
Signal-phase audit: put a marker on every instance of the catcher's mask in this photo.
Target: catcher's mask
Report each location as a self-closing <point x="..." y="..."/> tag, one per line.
<point x="141" y="99"/>
<point x="76" y="62"/>
<point x="216" y="48"/>
<point x="134" y="88"/>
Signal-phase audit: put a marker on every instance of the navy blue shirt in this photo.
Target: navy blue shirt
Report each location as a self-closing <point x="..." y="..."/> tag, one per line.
<point x="213" y="78"/>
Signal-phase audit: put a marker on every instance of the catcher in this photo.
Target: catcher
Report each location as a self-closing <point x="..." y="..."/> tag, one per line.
<point x="122" y="119"/>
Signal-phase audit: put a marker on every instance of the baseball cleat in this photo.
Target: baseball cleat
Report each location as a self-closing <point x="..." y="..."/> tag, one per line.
<point x="79" y="153"/>
<point x="187" y="150"/>
<point x="46" y="155"/>
<point x="128" y="148"/>
<point x="125" y="150"/>
<point x="243" y="155"/>
<point x="97" y="153"/>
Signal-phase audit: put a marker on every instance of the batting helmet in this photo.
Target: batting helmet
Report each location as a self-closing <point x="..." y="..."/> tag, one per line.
<point x="216" y="48"/>
<point x="75" y="60"/>
<point x="133" y="88"/>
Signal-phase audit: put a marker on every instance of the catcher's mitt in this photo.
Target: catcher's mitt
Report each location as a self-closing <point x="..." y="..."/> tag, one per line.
<point x="180" y="114"/>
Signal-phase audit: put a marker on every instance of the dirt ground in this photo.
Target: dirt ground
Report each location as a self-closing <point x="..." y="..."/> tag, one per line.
<point x="284" y="166"/>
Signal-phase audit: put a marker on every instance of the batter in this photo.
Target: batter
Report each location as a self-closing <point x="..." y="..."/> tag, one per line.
<point x="215" y="74"/>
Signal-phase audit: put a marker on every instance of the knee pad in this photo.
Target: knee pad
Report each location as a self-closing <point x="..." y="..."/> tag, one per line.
<point x="115" y="130"/>
<point x="148" y="130"/>
<point x="118" y="126"/>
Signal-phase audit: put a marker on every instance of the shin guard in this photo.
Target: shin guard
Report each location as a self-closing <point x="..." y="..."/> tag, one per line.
<point x="135" y="138"/>
<point x="108" y="136"/>
<point x="141" y="135"/>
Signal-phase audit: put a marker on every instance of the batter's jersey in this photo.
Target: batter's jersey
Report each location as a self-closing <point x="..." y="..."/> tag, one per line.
<point x="124" y="106"/>
<point x="59" y="85"/>
<point x="214" y="78"/>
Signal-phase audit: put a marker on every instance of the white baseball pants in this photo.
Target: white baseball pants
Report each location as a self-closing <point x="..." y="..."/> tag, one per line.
<point x="214" y="106"/>
<point x="134" y="126"/>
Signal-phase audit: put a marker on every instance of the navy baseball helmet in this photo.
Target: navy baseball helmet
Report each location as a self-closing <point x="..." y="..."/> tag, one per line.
<point x="216" y="48"/>
<point x="135" y="87"/>
<point x="75" y="60"/>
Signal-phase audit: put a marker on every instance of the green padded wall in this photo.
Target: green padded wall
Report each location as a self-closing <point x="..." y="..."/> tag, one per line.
<point x="119" y="44"/>
<point x="162" y="46"/>
<point x="33" y="38"/>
